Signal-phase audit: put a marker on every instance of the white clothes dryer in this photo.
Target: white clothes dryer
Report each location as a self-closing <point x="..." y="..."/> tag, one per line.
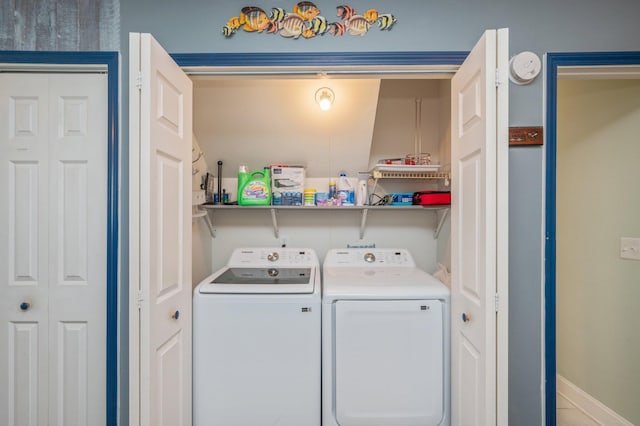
<point x="256" y="340"/>
<point x="385" y="341"/>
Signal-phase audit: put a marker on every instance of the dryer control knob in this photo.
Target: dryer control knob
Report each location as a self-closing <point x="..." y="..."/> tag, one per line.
<point x="273" y="256"/>
<point x="369" y="257"/>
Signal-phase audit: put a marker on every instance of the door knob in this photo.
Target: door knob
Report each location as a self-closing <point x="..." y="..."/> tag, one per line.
<point x="465" y="317"/>
<point x="175" y="315"/>
<point x="24" y="306"/>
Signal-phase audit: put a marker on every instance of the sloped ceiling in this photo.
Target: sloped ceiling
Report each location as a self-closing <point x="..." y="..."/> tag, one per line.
<point x="272" y="121"/>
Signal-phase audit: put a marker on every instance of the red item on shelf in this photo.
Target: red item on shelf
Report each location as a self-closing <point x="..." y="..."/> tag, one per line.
<point x="431" y="198"/>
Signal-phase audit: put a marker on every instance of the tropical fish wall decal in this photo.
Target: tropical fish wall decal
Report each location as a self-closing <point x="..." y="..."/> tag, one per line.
<point x="305" y="20"/>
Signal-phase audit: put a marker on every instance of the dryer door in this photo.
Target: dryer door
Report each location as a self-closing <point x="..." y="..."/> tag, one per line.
<point x="389" y="362"/>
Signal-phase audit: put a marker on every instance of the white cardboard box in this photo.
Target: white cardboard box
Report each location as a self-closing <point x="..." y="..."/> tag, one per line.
<point x="287" y="185"/>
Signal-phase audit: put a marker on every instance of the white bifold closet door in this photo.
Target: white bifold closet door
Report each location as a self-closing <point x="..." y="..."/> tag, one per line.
<point x="53" y="186"/>
<point x="479" y="234"/>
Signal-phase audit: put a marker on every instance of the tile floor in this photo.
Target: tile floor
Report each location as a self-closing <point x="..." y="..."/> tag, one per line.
<point x="568" y="415"/>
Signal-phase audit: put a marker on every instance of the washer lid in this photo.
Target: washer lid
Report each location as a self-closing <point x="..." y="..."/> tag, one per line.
<point x="260" y="281"/>
<point x="341" y="283"/>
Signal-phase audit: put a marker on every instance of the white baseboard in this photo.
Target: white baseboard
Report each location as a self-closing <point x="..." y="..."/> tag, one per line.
<point x="588" y="404"/>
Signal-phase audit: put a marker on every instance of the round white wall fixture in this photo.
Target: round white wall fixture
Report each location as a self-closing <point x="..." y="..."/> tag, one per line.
<point x="524" y="67"/>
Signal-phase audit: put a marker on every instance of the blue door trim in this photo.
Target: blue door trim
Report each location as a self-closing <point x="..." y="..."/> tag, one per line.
<point x="555" y="60"/>
<point x="110" y="60"/>
<point x="288" y="59"/>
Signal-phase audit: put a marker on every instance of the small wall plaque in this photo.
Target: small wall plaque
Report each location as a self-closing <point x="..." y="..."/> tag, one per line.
<point x="525" y="135"/>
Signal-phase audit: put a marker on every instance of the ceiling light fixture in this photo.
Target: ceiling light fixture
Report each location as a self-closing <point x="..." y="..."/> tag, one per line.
<point x="325" y="98"/>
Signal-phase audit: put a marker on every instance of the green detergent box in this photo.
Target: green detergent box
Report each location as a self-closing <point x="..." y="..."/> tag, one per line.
<point x="254" y="189"/>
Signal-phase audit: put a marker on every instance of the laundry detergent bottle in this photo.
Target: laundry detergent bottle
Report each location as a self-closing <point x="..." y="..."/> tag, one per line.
<point x="254" y="189"/>
<point x="345" y="190"/>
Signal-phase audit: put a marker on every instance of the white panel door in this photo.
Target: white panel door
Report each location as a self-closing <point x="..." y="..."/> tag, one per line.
<point x="160" y="234"/>
<point x="478" y="145"/>
<point x="77" y="214"/>
<point x="24" y="240"/>
<point x="53" y="249"/>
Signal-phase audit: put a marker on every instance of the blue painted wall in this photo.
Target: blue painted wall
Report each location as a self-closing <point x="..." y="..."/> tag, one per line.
<point x="426" y="25"/>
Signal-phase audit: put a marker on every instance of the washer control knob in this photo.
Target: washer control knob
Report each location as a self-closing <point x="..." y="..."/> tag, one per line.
<point x="272" y="272"/>
<point x="272" y="257"/>
<point x="369" y="257"/>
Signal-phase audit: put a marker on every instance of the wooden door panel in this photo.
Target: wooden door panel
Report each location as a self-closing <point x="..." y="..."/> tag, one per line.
<point x="53" y="248"/>
<point x="24" y="237"/>
<point x="23" y="357"/>
<point x="471" y="106"/>
<point x="469" y="385"/>
<point x="77" y="215"/>
<point x="171" y="382"/>
<point x="23" y="223"/>
<point x="470" y="282"/>
<point x="73" y="226"/>
<point x="72" y="372"/>
<point x="170" y="106"/>
<point x="479" y="234"/>
<point x="161" y="135"/>
<point x="167" y="238"/>
<point x="473" y="251"/>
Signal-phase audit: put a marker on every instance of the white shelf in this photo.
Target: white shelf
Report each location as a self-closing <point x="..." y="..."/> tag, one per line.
<point x="407" y="167"/>
<point x="402" y="171"/>
<point x="441" y="211"/>
<point x="381" y="171"/>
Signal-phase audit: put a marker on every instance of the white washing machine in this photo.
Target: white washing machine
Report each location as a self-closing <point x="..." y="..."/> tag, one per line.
<point x="385" y="341"/>
<point x="256" y="340"/>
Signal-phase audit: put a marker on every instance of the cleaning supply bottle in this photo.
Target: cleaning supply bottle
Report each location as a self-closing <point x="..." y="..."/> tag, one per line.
<point x="332" y="188"/>
<point x="254" y="189"/>
<point x="361" y="192"/>
<point x="345" y="190"/>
